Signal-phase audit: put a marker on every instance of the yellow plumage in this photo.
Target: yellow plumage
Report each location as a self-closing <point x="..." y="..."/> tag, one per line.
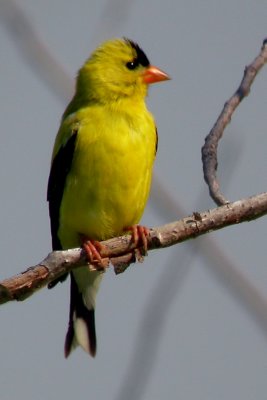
<point x="107" y="187"/>
<point x="104" y="153"/>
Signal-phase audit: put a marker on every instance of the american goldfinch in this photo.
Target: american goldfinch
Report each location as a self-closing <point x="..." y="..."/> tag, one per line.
<point x="101" y="168"/>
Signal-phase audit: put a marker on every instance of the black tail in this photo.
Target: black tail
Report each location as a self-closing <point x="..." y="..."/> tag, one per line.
<point x="81" y="329"/>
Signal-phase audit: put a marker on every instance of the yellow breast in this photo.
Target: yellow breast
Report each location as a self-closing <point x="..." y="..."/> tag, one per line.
<point x="108" y="185"/>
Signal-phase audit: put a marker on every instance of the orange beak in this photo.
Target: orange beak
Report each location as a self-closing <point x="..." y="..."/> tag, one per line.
<point x="153" y="74"/>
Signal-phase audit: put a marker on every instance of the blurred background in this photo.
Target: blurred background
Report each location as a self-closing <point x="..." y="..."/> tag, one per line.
<point x="191" y="321"/>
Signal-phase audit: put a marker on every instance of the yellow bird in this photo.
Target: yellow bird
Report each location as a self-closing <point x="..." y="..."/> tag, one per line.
<point x="101" y="168"/>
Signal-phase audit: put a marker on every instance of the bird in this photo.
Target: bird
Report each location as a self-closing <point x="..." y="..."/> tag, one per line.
<point x="101" y="170"/>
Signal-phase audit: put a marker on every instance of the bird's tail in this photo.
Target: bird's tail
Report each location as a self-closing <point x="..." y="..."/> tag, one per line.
<point x="81" y="329"/>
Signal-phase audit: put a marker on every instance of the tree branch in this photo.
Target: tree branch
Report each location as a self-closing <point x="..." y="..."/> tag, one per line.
<point x="209" y="150"/>
<point x="122" y="252"/>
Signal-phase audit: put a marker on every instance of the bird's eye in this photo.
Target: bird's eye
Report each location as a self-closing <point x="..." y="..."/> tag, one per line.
<point x="132" y="64"/>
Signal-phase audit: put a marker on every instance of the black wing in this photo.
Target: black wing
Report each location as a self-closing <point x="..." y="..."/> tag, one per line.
<point x="157" y="141"/>
<point x="59" y="171"/>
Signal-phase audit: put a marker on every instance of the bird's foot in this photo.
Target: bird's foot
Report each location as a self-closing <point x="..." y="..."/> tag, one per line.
<point x="92" y="250"/>
<point x="139" y="235"/>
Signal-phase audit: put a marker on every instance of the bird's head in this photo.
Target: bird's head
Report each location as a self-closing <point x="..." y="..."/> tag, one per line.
<point x="117" y="69"/>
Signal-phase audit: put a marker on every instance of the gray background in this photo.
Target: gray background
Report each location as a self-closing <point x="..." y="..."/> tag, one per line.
<point x="174" y="326"/>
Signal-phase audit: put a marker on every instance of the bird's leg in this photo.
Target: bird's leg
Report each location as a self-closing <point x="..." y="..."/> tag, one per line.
<point x="139" y="234"/>
<point x="92" y="250"/>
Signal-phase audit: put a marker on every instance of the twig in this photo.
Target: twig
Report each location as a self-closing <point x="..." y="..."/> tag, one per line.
<point x="120" y="250"/>
<point x="209" y="150"/>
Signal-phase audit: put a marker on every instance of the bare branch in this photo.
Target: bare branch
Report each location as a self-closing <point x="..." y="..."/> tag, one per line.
<point x="121" y="250"/>
<point x="209" y="150"/>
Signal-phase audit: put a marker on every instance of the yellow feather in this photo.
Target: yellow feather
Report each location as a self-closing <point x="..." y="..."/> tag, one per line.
<point x="108" y="182"/>
<point x="107" y="187"/>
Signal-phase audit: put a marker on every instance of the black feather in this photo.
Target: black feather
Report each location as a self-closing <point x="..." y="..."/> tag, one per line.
<point x="141" y="56"/>
<point x="77" y="306"/>
<point x="157" y="141"/>
<point x="59" y="171"/>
